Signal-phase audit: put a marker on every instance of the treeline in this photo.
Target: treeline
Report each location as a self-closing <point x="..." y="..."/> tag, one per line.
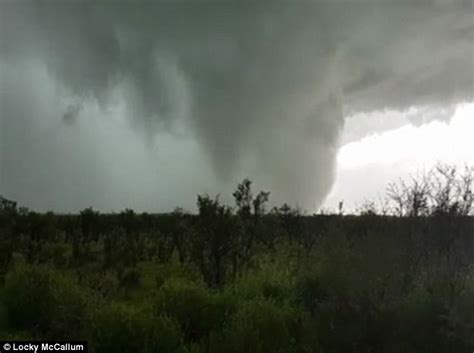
<point x="397" y="277"/>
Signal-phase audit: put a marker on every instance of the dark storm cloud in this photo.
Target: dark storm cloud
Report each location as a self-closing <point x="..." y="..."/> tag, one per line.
<point x="261" y="85"/>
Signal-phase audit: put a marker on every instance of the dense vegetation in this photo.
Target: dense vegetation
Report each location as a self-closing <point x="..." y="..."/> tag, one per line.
<point x="245" y="279"/>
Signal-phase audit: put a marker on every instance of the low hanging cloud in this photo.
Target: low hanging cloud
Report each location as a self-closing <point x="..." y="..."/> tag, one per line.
<point x="213" y="90"/>
<point x="364" y="124"/>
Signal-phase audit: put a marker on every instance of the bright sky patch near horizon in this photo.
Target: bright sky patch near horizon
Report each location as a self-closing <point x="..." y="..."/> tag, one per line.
<point x="365" y="167"/>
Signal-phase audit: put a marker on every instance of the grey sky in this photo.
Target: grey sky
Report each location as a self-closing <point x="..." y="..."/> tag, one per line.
<point x="145" y="103"/>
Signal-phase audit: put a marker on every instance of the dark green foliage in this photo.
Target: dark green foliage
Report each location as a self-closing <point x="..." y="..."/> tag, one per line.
<point x="130" y="279"/>
<point x="241" y="280"/>
<point x="122" y="328"/>
<point x="215" y="243"/>
<point x="44" y="302"/>
<point x="263" y="326"/>
<point x="272" y="280"/>
<point x="194" y="307"/>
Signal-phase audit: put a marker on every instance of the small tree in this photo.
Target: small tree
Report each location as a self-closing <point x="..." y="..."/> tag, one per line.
<point x="250" y="211"/>
<point x="441" y="191"/>
<point x="7" y="205"/>
<point x="291" y="220"/>
<point x="451" y="191"/>
<point x="215" y="241"/>
<point x="243" y="198"/>
<point x="180" y="231"/>
<point x="411" y="199"/>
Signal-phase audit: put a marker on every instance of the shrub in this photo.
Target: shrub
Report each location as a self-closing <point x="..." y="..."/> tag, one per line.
<point x="57" y="254"/>
<point x="434" y="324"/>
<point x="196" y="309"/>
<point x="45" y="302"/>
<point x="351" y="295"/>
<point x="130" y="279"/>
<point x="104" y="283"/>
<point x="270" y="281"/>
<point x="460" y="322"/>
<point x="120" y="328"/>
<point x="264" y="326"/>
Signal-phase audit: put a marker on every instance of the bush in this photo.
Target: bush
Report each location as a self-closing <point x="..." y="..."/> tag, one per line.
<point x="460" y="320"/>
<point x="352" y="294"/>
<point x="130" y="279"/>
<point x="44" y="302"/>
<point x="270" y="281"/>
<point x="434" y="324"/>
<point x="264" y="326"/>
<point x="57" y="254"/>
<point x="103" y="283"/>
<point x="119" y="328"/>
<point x="195" y="308"/>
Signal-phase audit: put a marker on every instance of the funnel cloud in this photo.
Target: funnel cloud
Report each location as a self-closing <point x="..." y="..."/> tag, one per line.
<point x="145" y="103"/>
